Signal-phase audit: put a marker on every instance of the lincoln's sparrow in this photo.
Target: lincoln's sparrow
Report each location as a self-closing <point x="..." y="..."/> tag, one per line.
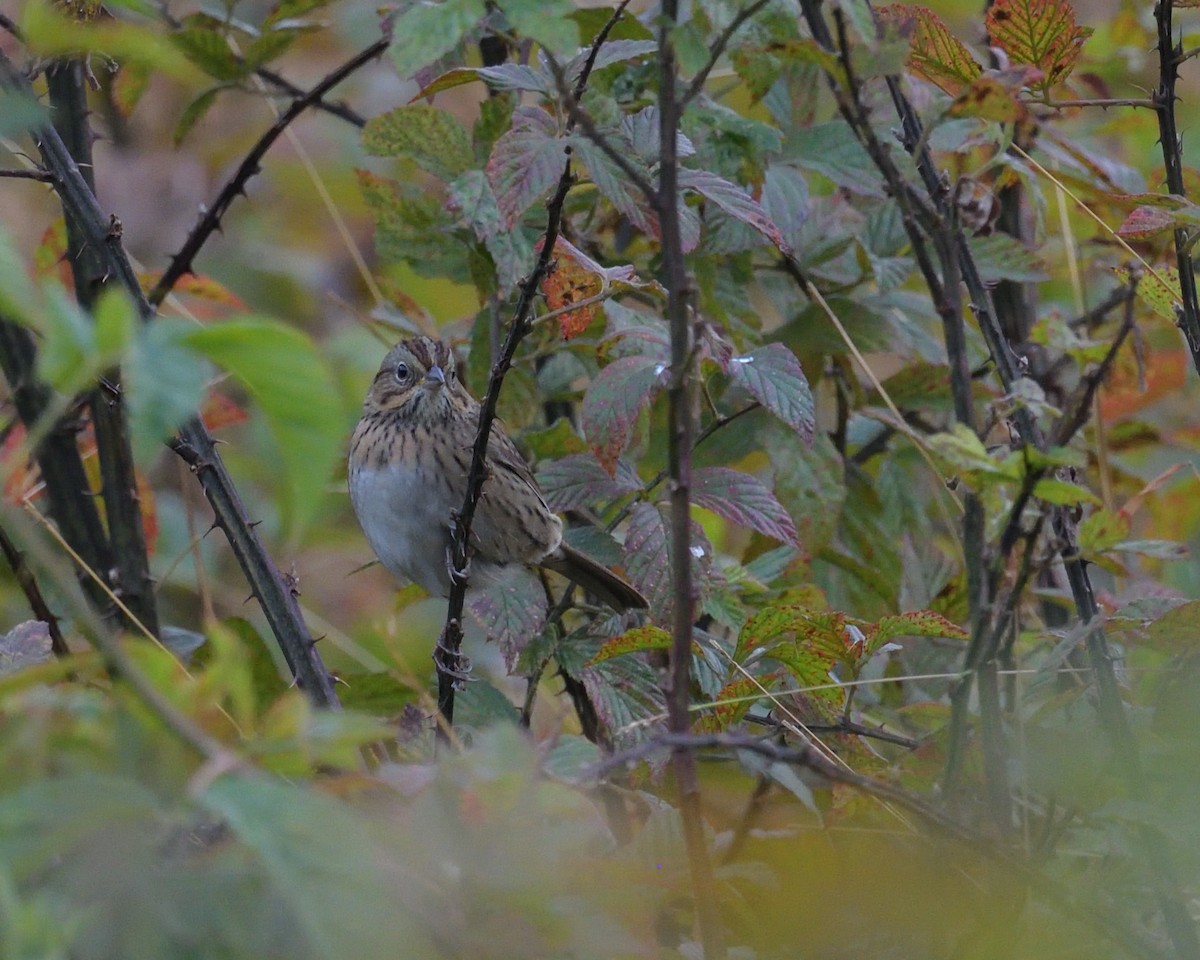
<point x="409" y="459"/>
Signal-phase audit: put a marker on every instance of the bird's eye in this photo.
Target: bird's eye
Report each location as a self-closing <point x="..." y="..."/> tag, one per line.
<point x="402" y="372"/>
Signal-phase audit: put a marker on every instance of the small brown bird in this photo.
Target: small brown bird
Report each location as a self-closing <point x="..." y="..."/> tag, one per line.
<point x="409" y="459"/>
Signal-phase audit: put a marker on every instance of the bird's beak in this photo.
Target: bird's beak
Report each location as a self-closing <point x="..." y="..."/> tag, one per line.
<point x="435" y="378"/>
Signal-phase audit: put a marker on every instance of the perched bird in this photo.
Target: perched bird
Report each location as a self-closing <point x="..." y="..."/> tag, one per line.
<point x="409" y="459"/>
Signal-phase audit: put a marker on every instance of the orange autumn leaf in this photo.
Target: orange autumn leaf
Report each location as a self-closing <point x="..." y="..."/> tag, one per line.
<point x="1122" y="393"/>
<point x="1042" y="33"/>
<point x="219" y="411"/>
<point x="570" y="281"/>
<point x="574" y="277"/>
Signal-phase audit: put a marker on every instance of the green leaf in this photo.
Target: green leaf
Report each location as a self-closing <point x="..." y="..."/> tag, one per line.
<point x="963" y="451"/>
<point x="832" y="150"/>
<point x="1002" y="257"/>
<point x="920" y="623"/>
<point x="194" y="112"/>
<point x="434" y="139"/>
<point x="322" y="862"/>
<point x="284" y="371"/>
<point x="505" y="76"/>
<point x="115" y="322"/>
<point x="19" y="300"/>
<point x="1063" y="493"/>
<point x="858" y="15"/>
<point x="20" y="113"/>
<point x="1101" y="531"/>
<point x="207" y="48"/>
<point x="735" y="201"/>
<point x="68" y="359"/>
<point x="379" y="694"/>
<point x="647" y="559"/>
<point x="290" y="9"/>
<point x="426" y="32"/>
<point x="637" y="640"/>
<point x="1159" y="290"/>
<point x="50" y="33"/>
<point x="773" y="376"/>
<point x="579" y="480"/>
<point x="164" y="381"/>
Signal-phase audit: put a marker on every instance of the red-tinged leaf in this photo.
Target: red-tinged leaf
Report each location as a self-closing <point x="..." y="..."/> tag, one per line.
<point x="807" y="643"/>
<point x="1146" y="222"/>
<point x="743" y="499"/>
<point x="735" y="201"/>
<point x="506" y="76"/>
<point x="637" y="640"/>
<point x="579" y="480"/>
<point x="218" y="411"/>
<point x="919" y="623"/>
<point x="1129" y="201"/>
<point x="937" y="55"/>
<point x="432" y="138"/>
<point x="1038" y="32"/>
<point x="526" y="162"/>
<point x="733" y="701"/>
<point x="1134" y="503"/>
<point x="773" y="376"/>
<point x="647" y="559"/>
<point x="511" y="609"/>
<point x="796" y="624"/>
<point x="613" y="402"/>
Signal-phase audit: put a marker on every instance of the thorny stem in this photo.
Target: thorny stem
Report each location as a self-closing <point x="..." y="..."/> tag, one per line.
<point x="1168" y="137"/>
<point x="446" y="655"/>
<point x="681" y="402"/>
<point x="130" y="571"/>
<point x="275" y="595"/>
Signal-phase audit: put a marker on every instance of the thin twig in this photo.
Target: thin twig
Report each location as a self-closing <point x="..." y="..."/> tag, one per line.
<point x="42" y="176"/>
<point x="337" y="108"/>
<point x="1104" y="104"/>
<point x="181" y="263"/>
<point x="717" y="49"/>
<point x="33" y="594"/>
